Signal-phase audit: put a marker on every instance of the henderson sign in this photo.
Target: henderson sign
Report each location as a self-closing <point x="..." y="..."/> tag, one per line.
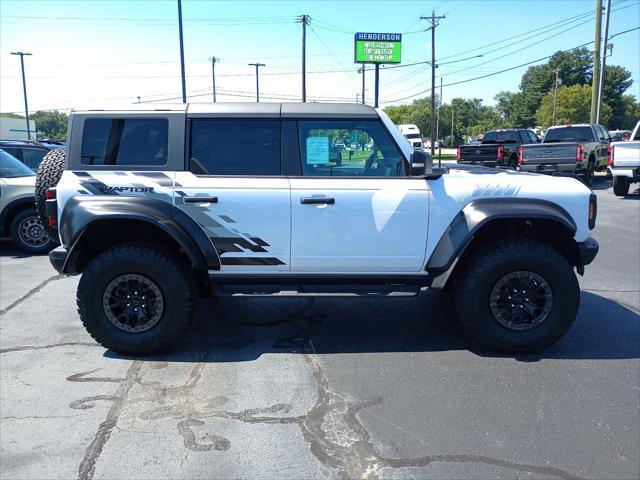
<point x="378" y="47"/>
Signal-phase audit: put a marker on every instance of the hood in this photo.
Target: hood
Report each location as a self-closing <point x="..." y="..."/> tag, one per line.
<point x="29" y="181"/>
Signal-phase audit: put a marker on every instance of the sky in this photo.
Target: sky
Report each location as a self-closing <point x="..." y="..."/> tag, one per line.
<point x="87" y="54"/>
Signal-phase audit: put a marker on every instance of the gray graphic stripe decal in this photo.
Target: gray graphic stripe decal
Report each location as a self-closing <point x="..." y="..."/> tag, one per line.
<point x="251" y="261"/>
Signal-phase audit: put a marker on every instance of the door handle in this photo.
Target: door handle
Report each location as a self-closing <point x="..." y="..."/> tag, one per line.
<point x="317" y="201"/>
<point x="200" y="199"/>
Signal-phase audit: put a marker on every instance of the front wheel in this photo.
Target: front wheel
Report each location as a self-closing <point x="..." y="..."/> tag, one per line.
<point x="620" y="186"/>
<point x="135" y="300"/>
<point x="516" y="296"/>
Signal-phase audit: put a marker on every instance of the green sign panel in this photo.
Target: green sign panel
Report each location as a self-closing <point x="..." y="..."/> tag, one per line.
<point x="378" y="47"/>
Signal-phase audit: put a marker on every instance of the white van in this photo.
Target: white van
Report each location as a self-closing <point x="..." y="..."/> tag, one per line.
<point x="412" y="134"/>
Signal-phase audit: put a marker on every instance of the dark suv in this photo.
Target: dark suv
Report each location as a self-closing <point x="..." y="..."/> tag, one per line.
<point x="28" y="152"/>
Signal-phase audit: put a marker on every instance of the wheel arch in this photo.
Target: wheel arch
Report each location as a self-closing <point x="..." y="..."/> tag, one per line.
<point x="92" y="224"/>
<point x="13" y="208"/>
<point x="482" y="221"/>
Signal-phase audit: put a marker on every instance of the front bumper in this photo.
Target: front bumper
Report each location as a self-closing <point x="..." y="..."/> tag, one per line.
<point x="587" y="251"/>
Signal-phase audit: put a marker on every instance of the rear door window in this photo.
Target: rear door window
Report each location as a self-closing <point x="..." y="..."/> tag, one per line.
<point x="125" y="141"/>
<point x="235" y="147"/>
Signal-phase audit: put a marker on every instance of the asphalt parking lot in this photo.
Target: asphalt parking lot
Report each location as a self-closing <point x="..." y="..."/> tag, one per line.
<point x="312" y="387"/>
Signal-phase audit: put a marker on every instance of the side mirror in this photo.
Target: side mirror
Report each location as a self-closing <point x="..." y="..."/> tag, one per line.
<point x="421" y="164"/>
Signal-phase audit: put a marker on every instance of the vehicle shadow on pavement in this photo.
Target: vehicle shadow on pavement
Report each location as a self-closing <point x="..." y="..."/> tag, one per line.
<point x="238" y="329"/>
<point x="7" y="250"/>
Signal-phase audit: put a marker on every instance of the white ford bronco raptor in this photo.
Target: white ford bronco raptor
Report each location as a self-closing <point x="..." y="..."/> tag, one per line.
<point x="157" y="206"/>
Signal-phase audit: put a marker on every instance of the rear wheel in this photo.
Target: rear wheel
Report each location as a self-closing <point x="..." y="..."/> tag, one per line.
<point x="49" y="173"/>
<point x="28" y="233"/>
<point x="589" y="171"/>
<point x="516" y="297"/>
<point x="620" y="186"/>
<point x="135" y="300"/>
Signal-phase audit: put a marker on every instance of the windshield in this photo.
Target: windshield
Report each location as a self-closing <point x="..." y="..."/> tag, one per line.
<point x="569" y="134"/>
<point x="11" y="167"/>
<point x="412" y="135"/>
<point x="501" y="137"/>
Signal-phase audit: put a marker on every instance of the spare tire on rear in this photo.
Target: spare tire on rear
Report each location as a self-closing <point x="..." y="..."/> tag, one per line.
<point x="49" y="174"/>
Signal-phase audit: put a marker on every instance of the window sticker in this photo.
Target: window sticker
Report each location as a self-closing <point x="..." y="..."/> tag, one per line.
<point x="317" y="150"/>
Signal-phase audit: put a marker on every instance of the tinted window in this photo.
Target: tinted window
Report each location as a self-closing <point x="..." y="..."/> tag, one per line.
<point x="11" y="167"/>
<point x="569" y="134"/>
<point x="235" y="147"/>
<point x="412" y="135"/>
<point x="125" y="141"/>
<point x="637" y="135"/>
<point x="14" y="152"/>
<point x="32" y="157"/>
<point x="510" y="136"/>
<point x="370" y="151"/>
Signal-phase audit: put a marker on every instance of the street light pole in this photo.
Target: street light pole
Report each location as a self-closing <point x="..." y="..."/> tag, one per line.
<point x="184" y="85"/>
<point x="24" y="91"/>
<point x="257" y="65"/>
<point x="362" y="70"/>
<point x="213" y="76"/>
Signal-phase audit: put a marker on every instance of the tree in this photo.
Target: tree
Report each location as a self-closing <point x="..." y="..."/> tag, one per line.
<point x="52" y="124"/>
<point x="576" y="68"/>
<point x="617" y="80"/>
<point x="573" y="106"/>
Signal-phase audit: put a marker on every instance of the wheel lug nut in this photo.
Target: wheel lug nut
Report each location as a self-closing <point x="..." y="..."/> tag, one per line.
<point x="128" y="296"/>
<point x="508" y="298"/>
<point x="128" y="304"/>
<point x="526" y="299"/>
<point x="521" y="306"/>
<point x="512" y="305"/>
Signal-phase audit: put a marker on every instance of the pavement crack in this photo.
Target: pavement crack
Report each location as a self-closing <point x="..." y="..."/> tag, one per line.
<point x="30" y="293"/>
<point x="44" y="347"/>
<point x="87" y="466"/>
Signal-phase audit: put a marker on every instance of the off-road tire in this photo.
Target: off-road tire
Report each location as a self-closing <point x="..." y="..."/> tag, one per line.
<point x="168" y="272"/>
<point x="29" y="214"/>
<point x="620" y="186"/>
<point x="480" y="273"/>
<point x="49" y="173"/>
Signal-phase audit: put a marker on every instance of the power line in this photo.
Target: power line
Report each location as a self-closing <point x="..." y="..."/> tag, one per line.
<point x="559" y="22"/>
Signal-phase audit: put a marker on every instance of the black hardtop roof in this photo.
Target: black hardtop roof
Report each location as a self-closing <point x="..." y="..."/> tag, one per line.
<point x="247" y="109"/>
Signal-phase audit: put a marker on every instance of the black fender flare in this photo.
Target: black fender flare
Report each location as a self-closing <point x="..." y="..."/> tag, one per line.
<point x="478" y="213"/>
<point x="81" y="211"/>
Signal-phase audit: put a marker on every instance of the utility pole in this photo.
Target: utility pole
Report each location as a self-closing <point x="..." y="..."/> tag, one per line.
<point x="377" y="87"/>
<point x="604" y="60"/>
<point x="452" y="140"/>
<point x="438" y="127"/>
<point x="434" y="23"/>
<point x="24" y="91"/>
<point x="213" y="76"/>
<point x="184" y="85"/>
<point x="138" y="98"/>
<point x="596" y="63"/>
<point x="362" y="70"/>
<point x="357" y="98"/>
<point x="257" y="65"/>
<point x="304" y="19"/>
<point x="555" y="94"/>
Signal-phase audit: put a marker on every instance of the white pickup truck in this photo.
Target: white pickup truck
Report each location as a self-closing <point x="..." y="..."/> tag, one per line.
<point x="624" y="163"/>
